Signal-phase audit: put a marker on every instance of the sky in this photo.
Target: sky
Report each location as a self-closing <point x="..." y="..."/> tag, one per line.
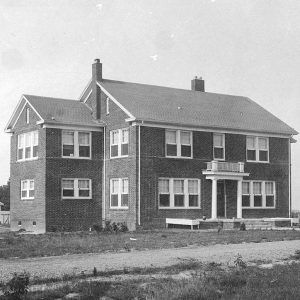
<point x="239" y="47"/>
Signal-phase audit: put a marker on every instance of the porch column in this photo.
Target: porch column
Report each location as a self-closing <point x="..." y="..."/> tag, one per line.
<point x="239" y="199"/>
<point x="214" y="199"/>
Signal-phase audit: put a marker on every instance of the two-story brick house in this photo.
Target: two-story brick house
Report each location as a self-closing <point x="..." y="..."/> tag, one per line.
<point x="139" y="154"/>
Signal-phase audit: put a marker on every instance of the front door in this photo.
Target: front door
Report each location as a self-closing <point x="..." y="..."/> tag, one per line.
<point x="221" y="197"/>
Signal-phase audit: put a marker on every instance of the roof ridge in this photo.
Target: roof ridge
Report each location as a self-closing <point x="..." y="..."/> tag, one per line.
<point x="55" y="98"/>
<point x="169" y="87"/>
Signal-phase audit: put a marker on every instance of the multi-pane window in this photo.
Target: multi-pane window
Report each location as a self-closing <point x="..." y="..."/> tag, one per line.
<point x="76" y="188"/>
<point x="76" y="144"/>
<point x="257" y="149"/>
<point x="119" y="142"/>
<point x="219" y="146"/>
<point x="28" y="145"/>
<point x="258" y="194"/>
<point x="178" y="193"/>
<point x="119" y="193"/>
<point x="27" y="189"/>
<point x="178" y="143"/>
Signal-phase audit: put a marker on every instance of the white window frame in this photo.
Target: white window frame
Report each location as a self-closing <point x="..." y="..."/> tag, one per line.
<point x="76" y="189"/>
<point x="256" y="149"/>
<point x="76" y="144"/>
<point x="31" y="134"/>
<point x="27" y="115"/>
<point x="28" y="189"/>
<point x="120" y="142"/>
<point x="119" y="193"/>
<point x="263" y="194"/>
<point x="186" y="194"/>
<point x="223" y="147"/>
<point x="178" y="143"/>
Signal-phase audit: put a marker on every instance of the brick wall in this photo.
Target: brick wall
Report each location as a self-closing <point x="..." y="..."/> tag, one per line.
<point x="27" y="211"/>
<point x="72" y="214"/>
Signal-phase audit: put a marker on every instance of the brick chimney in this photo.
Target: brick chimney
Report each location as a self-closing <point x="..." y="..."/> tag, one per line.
<point x="96" y="91"/>
<point x="197" y="84"/>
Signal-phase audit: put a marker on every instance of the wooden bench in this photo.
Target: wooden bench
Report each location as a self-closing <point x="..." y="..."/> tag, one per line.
<point x="188" y="222"/>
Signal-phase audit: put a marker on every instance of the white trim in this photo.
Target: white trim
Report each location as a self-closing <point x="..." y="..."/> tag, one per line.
<point x="76" y="189"/>
<point x="86" y="87"/>
<point x="14" y="112"/>
<point x="290" y="184"/>
<point x="224" y="146"/>
<point x="31" y="134"/>
<point x="119" y="144"/>
<point x="74" y="127"/>
<point x="139" y="176"/>
<point x="120" y="187"/>
<point x="256" y="149"/>
<point x="28" y="189"/>
<point x="207" y="129"/>
<point x="185" y="193"/>
<point x="76" y="144"/>
<point x="178" y="144"/>
<point x="104" y="178"/>
<point x="33" y="108"/>
<point x="87" y="97"/>
<point x="263" y="194"/>
<point x="115" y="101"/>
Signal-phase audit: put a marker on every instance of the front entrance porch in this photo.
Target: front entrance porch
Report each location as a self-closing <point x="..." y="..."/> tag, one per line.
<point x="221" y="174"/>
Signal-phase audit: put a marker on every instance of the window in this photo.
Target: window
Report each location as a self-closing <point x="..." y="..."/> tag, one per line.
<point x="76" y="188"/>
<point x="178" y="143"/>
<point x="27" y="115"/>
<point x="76" y="144"/>
<point x="119" y="193"/>
<point x="107" y="106"/>
<point x="119" y="142"/>
<point x="27" y="189"/>
<point x="258" y="194"/>
<point x="257" y="149"/>
<point x="219" y="146"/>
<point x="178" y="193"/>
<point x="28" y="145"/>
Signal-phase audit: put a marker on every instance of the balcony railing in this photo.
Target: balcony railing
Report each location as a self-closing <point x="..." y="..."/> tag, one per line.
<point x="220" y="166"/>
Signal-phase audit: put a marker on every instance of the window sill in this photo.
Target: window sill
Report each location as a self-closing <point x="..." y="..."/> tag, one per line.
<point x="76" y="198"/>
<point x="257" y="161"/>
<point x="180" y="157"/>
<point x="27" y="159"/>
<point x="123" y="156"/>
<point x="171" y="208"/>
<point x="75" y="157"/>
<point x="27" y="199"/>
<point x="258" y="207"/>
<point x="118" y="208"/>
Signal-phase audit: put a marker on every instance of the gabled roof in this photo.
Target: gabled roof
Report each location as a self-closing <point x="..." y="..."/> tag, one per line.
<point x="56" y="111"/>
<point x="192" y="108"/>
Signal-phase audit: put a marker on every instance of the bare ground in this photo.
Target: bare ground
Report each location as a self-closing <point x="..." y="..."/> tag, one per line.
<point x="57" y="266"/>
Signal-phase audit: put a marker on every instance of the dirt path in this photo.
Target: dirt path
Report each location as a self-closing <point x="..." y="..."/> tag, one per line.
<point x="56" y="266"/>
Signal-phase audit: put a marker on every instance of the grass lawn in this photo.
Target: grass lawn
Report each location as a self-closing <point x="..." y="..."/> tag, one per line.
<point x="23" y="246"/>
<point x="208" y="281"/>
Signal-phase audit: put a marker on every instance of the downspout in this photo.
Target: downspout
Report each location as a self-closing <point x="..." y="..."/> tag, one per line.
<point x="139" y="177"/>
<point x="290" y="176"/>
<point x="104" y="178"/>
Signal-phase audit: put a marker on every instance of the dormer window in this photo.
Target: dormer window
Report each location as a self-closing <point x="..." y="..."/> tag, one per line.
<point x="178" y="143"/>
<point x="76" y="144"/>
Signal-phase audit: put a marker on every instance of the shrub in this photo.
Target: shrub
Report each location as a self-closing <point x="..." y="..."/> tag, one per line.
<point x="243" y="226"/>
<point x="239" y="263"/>
<point x="97" y="227"/>
<point x="17" y="286"/>
<point x="115" y="227"/>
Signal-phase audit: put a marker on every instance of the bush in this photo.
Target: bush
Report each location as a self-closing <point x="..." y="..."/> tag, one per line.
<point x="97" y="227"/>
<point x="115" y="227"/>
<point x="17" y="286"/>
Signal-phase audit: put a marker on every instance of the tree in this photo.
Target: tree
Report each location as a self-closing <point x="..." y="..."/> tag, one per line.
<point x="4" y="195"/>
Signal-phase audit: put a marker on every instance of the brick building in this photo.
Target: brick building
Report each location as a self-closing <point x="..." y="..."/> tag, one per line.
<point x="139" y="154"/>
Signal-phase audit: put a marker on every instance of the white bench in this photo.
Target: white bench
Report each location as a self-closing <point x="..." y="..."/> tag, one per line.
<point x="188" y="222"/>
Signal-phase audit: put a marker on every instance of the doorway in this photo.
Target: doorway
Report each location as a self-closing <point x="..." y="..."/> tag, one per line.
<point x="221" y="199"/>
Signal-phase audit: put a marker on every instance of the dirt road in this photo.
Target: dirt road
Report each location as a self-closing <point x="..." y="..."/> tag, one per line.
<point x="75" y="264"/>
